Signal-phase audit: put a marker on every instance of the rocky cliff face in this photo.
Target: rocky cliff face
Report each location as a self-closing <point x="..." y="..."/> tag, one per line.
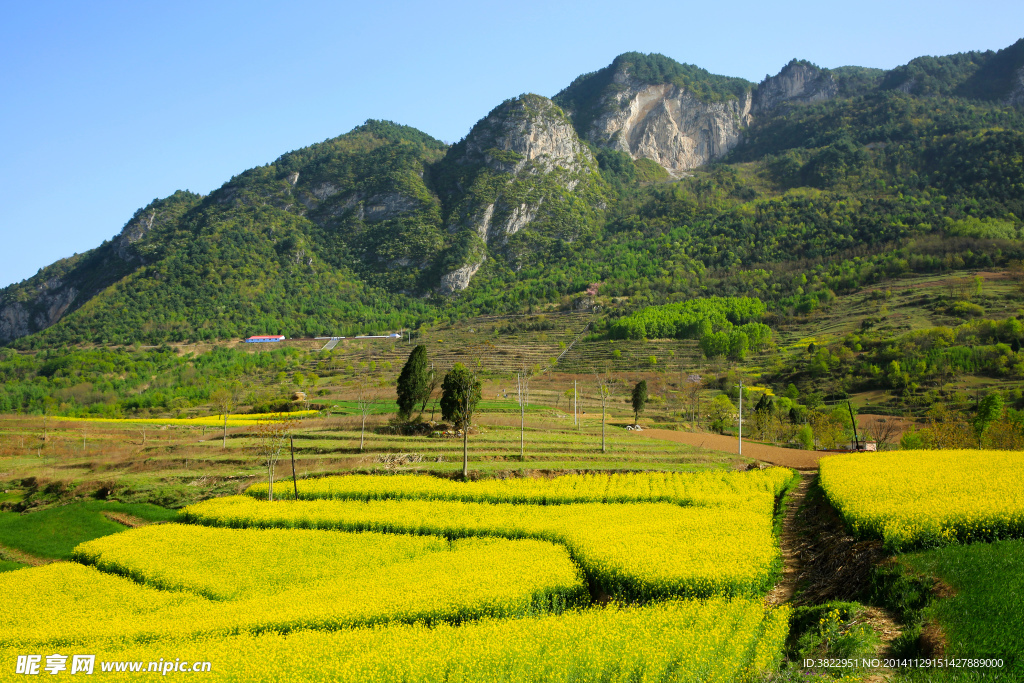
<point x="1016" y="96"/>
<point x="43" y="299"/>
<point x="518" y="167"/>
<point x="668" y="124"/>
<point x="20" y="318"/>
<point x="797" y="83"/>
<point x="678" y="126"/>
<point x="134" y="231"/>
<point x="13" y="322"/>
<point x="526" y="129"/>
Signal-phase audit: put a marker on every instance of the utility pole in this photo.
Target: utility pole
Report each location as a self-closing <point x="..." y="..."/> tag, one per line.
<point x="522" y="419"/>
<point x="741" y="415"/>
<point x="604" y="402"/>
<point x="465" y="431"/>
<point x="291" y="442"/>
<point x="853" y="421"/>
<point x="575" y="415"/>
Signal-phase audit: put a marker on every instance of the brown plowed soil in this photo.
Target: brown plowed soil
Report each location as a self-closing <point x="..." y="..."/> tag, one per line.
<point x="784" y="457"/>
<point x="14" y="555"/>
<point x="789" y="541"/>
<point x="130" y="521"/>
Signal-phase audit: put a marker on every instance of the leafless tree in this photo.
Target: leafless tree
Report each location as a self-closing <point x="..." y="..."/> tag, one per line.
<point x="605" y="389"/>
<point x="367" y="400"/>
<point x="271" y="438"/>
<point x="523" y="387"/>
<point x="224" y="400"/>
<point x="883" y="431"/>
<point x="692" y="388"/>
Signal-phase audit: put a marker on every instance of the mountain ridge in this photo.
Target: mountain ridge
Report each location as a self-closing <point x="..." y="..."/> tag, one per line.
<point x="386" y="226"/>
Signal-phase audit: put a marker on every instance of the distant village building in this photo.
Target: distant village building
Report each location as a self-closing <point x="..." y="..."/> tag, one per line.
<point x="260" y="338"/>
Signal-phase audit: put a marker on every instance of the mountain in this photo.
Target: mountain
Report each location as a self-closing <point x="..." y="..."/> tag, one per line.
<point x="650" y="106"/>
<point x="305" y="244"/>
<point x="992" y="76"/>
<point x="62" y="287"/>
<point x="648" y="179"/>
<point x="520" y="183"/>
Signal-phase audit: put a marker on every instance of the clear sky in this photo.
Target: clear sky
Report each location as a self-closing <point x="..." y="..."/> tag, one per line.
<point x="107" y="105"/>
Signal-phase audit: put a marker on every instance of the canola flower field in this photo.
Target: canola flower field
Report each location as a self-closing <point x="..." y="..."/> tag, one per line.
<point x="234" y="420"/>
<point x="226" y="564"/>
<point x="926" y="498"/>
<point x="67" y="603"/>
<point x="431" y="584"/>
<point x="757" y="488"/>
<point x="718" y="641"/>
<point x="634" y="551"/>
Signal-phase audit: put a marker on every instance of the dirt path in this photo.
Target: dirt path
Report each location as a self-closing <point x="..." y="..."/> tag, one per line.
<point x="828" y="563"/>
<point x="789" y="540"/>
<point x="888" y="630"/>
<point x="14" y="555"/>
<point x="784" y="457"/>
<point x="130" y="521"/>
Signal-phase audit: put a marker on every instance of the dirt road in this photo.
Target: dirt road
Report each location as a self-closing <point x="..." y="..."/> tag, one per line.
<point x="785" y="457"/>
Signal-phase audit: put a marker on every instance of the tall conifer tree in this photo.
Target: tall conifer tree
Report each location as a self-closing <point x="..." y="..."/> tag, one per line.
<point x="413" y="382"/>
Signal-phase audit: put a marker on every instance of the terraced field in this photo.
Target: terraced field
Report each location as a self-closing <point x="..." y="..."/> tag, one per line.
<point x="523" y="583"/>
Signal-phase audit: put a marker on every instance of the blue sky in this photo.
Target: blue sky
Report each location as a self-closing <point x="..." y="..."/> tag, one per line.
<point x="107" y="105"/>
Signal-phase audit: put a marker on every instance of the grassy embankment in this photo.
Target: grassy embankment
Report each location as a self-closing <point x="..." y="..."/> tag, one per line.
<point x="52" y="533"/>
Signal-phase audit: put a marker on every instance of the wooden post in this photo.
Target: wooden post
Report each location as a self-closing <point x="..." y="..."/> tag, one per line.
<point x="522" y="421"/>
<point x="603" y="403"/>
<point x="856" y="441"/>
<point x="741" y="416"/>
<point x="291" y="443"/>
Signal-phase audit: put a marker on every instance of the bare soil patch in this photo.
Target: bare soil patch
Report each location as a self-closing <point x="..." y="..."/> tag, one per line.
<point x="833" y="564"/>
<point x="130" y="521"/>
<point x="14" y="555"/>
<point x="783" y="457"/>
<point x="786" y="587"/>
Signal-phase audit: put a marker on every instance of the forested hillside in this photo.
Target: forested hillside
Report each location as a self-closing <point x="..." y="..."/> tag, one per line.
<point x="871" y="175"/>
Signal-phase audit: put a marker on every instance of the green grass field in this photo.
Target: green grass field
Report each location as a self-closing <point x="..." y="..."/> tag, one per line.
<point x="54" y="532"/>
<point x="984" y="617"/>
<point x="7" y="566"/>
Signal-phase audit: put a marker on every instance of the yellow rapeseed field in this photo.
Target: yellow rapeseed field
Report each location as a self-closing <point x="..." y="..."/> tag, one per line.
<point x="67" y="603"/>
<point x="915" y="498"/>
<point x="225" y="564"/>
<point x="471" y="582"/>
<point x="633" y="550"/>
<point x="715" y="642"/>
<point x="239" y="420"/>
<point x="755" y="488"/>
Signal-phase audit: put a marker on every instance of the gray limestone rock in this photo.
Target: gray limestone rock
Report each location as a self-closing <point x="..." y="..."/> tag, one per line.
<point x="1015" y="98"/>
<point x="133" y="232"/>
<point x="530" y="145"/>
<point x="669" y="125"/>
<point x="797" y="83"/>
